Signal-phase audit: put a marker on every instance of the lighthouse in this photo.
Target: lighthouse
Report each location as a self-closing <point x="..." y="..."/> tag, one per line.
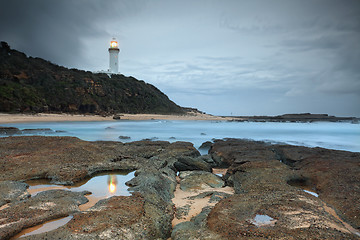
<point x="113" y="56"/>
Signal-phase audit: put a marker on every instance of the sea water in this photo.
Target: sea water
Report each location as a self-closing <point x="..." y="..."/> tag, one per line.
<point x="332" y="135"/>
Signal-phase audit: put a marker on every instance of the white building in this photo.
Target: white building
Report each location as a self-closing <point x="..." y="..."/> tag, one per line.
<point x="113" y="59"/>
<point x="113" y="56"/>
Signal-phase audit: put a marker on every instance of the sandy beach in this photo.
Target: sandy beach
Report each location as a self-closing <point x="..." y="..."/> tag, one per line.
<point x="44" y="117"/>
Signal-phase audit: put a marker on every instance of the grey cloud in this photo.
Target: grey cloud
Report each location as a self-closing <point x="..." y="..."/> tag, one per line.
<point x="322" y="42"/>
<point x="275" y="55"/>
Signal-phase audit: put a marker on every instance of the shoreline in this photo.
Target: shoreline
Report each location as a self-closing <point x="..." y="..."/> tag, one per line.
<point x="47" y="117"/>
<point x="65" y="117"/>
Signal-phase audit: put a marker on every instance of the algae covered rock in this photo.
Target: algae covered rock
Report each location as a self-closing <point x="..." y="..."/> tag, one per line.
<point x="197" y="180"/>
<point x="189" y="163"/>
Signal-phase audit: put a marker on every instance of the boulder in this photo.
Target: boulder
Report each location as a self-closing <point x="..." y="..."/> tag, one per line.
<point x="124" y="137"/>
<point x="206" y="145"/>
<point x="208" y="159"/>
<point x="189" y="164"/>
<point x="12" y="191"/>
<point x="198" y="180"/>
<point x="9" y="131"/>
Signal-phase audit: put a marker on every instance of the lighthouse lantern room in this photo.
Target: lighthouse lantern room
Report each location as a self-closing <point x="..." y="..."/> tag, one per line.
<point x="113" y="54"/>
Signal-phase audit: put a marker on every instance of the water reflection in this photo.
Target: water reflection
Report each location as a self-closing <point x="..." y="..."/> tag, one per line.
<point x="101" y="185"/>
<point x="112" y="182"/>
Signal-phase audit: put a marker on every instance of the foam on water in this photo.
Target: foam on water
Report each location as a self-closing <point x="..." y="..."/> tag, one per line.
<point x="332" y="135"/>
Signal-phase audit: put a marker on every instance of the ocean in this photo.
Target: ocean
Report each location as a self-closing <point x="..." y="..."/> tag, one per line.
<point x="332" y="135"/>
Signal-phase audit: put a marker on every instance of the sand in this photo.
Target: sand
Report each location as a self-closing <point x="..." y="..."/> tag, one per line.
<point x="44" y="117"/>
<point x="182" y="199"/>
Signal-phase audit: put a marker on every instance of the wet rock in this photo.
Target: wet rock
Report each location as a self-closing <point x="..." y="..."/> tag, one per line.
<point x="206" y="145"/>
<point x="70" y="159"/>
<point x="124" y="137"/>
<point x="44" y="206"/>
<point x="182" y="211"/>
<point x="112" y="218"/>
<point x="9" y="131"/>
<point x="195" y="228"/>
<point x="335" y="175"/>
<point x="157" y="186"/>
<point x="188" y="163"/>
<point x="215" y="196"/>
<point x="37" y="131"/>
<point x="208" y="159"/>
<point x="261" y="184"/>
<point x="11" y="191"/>
<point x="67" y="159"/>
<point x="60" y="131"/>
<point x="150" y="139"/>
<point x="196" y="180"/>
<point x="235" y="151"/>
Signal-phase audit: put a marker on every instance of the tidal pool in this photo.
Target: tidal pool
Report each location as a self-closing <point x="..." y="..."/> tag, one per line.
<point x="44" y="227"/>
<point x="102" y="185"/>
<point x="263" y="220"/>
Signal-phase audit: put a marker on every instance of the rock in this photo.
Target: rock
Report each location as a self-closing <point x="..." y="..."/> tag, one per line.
<point x="44" y="206"/>
<point x="113" y="218"/>
<point x="11" y="191"/>
<point x="196" y="180"/>
<point x="336" y="174"/>
<point x="195" y="229"/>
<point x="9" y="131"/>
<point x="37" y="131"/>
<point x="208" y="159"/>
<point x="147" y="214"/>
<point x="189" y="163"/>
<point x="124" y="137"/>
<point x="60" y="131"/>
<point x="206" y="145"/>
<point x="117" y="117"/>
<point x="268" y="181"/>
<point x="150" y="139"/>
<point x="214" y="196"/>
<point x="261" y="175"/>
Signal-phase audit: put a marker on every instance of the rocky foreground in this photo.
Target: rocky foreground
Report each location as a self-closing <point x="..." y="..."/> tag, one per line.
<point x="176" y="194"/>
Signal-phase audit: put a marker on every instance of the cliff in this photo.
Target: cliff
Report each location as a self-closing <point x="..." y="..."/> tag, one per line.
<point x="35" y="85"/>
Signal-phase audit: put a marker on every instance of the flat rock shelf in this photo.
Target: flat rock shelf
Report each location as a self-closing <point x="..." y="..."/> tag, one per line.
<point x="240" y="190"/>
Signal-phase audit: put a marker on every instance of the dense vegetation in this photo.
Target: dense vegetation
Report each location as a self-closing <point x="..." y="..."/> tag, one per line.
<point x="35" y="85"/>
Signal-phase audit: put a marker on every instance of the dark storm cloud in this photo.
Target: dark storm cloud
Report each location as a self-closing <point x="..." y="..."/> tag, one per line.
<point x="56" y="30"/>
<point x="50" y="29"/>
<point x="275" y="55"/>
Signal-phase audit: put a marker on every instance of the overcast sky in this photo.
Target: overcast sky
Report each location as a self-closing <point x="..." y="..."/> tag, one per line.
<point x="255" y="57"/>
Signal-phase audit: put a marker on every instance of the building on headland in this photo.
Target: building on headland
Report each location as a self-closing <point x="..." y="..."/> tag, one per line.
<point x="113" y="59"/>
<point x="113" y="56"/>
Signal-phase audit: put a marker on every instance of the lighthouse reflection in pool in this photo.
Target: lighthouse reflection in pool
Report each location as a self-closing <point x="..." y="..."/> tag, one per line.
<point x="112" y="182"/>
<point x="101" y="185"/>
<point x="107" y="184"/>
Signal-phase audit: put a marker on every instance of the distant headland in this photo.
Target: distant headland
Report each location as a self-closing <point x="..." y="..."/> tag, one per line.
<point x="297" y="117"/>
<point x="34" y="85"/>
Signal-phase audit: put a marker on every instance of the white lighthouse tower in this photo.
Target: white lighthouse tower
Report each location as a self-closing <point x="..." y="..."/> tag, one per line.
<point x="113" y="54"/>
